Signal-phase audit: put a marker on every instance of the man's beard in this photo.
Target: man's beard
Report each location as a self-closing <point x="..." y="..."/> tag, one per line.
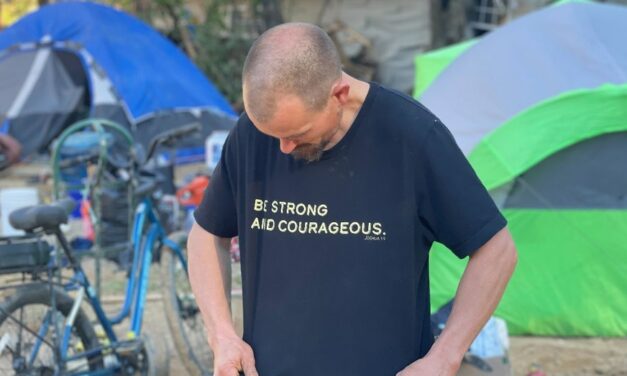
<point x="313" y="152"/>
<point x="310" y="152"/>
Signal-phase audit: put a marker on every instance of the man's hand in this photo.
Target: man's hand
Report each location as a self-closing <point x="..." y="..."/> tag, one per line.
<point x="431" y="365"/>
<point x="10" y="147"/>
<point x="233" y="355"/>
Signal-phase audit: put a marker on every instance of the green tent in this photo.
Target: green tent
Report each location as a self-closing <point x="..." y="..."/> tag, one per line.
<point x="539" y="106"/>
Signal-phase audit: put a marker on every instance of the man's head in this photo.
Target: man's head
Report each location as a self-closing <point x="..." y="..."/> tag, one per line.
<point x="293" y="88"/>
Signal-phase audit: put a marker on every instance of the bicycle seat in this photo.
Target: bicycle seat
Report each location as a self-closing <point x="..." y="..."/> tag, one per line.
<point x="48" y="217"/>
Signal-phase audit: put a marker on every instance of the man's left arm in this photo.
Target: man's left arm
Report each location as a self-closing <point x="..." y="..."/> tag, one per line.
<point x="478" y="294"/>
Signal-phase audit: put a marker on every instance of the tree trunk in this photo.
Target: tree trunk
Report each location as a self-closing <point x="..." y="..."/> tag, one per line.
<point x="188" y="44"/>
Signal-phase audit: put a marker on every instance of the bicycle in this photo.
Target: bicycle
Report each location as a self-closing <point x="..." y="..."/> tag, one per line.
<point x="43" y="327"/>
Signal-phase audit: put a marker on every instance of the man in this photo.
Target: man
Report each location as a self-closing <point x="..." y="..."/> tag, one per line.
<point x="337" y="189"/>
<point x="10" y="151"/>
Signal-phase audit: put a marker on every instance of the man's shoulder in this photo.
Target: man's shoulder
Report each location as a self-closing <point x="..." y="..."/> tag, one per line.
<point x="402" y="100"/>
<point x="401" y="114"/>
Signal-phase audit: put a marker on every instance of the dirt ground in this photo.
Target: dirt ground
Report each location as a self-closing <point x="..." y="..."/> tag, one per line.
<point x="569" y="357"/>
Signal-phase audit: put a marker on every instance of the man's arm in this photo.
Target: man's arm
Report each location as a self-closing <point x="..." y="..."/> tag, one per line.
<point x="478" y="294"/>
<point x="11" y="148"/>
<point x="209" y="267"/>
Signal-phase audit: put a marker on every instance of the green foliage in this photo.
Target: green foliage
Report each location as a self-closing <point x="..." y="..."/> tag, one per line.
<point x="127" y="5"/>
<point x="222" y="50"/>
<point x="219" y="44"/>
<point x="224" y="38"/>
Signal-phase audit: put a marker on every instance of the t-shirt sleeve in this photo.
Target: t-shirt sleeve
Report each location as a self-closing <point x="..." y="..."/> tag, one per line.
<point x="454" y="206"/>
<point x="217" y="213"/>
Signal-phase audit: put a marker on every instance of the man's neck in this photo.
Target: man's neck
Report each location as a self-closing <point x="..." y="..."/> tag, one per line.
<point x="356" y="97"/>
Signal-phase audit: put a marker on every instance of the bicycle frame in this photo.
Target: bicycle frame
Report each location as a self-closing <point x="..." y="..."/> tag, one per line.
<point x="144" y="242"/>
<point x="137" y="285"/>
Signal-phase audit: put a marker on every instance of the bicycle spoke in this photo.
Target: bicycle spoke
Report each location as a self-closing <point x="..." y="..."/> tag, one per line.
<point x="19" y="323"/>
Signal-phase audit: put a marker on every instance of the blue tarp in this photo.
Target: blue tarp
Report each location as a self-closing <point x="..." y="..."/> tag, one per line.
<point x="149" y="72"/>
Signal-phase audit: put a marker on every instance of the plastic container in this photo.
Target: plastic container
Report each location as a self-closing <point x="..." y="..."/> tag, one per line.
<point x="213" y="148"/>
<point x="79" y="144"/>
<point x="12" y="199"/>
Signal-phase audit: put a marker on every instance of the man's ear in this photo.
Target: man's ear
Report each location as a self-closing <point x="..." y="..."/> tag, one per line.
<point x="340" y="91"/>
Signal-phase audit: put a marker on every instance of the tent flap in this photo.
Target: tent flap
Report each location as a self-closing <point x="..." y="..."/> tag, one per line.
<point x="528" y="61"/>
<point x="542" y="130"/>
<point x="429" y="65"/>
<point x="571" y="275"/>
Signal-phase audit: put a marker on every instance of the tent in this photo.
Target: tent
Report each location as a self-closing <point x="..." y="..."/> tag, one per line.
<point x="539" y="106"/>
<point x="72" y="60"/>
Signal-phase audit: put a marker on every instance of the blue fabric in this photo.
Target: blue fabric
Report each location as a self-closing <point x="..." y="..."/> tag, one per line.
<point x="148" y="71"/>
<point x="4" y="128"/>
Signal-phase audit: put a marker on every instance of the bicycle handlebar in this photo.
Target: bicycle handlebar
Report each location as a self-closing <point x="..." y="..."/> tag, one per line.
<point x="171" y="136"/>
<point x="79" y="159"/>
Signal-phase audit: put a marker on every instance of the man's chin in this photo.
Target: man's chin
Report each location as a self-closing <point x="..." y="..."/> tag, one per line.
<point x="308" y="154"/>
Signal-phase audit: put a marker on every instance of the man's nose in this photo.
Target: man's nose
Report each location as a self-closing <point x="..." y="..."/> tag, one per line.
<point x="287" y="146"/>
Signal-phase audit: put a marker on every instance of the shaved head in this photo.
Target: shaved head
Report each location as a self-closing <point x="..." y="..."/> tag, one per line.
<point x="290" y="59"/>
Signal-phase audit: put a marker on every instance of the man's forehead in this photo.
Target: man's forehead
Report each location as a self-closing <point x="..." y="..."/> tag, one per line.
<point x="258" y="93"/>
<point x="286" y="108"/>
<point x="290" y="119"/>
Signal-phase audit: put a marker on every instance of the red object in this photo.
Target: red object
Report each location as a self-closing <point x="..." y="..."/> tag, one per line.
<point x="535" y="370"/>
<point x="192" y="193"/>
<point x="88" y="227"/>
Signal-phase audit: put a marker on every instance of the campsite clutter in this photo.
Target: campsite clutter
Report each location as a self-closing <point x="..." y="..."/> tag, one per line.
<point x="547" y="137"/>
<point x="54" y="76"/>
<point x="101" y="97"/>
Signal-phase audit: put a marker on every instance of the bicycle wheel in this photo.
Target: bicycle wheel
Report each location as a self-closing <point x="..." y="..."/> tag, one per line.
<point x="23" y="351"/>
<point x="184" y="317"/>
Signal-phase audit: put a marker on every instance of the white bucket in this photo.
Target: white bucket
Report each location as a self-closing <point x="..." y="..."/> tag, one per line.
<point x="213" y="148"/>
<point x="12" y="199"/>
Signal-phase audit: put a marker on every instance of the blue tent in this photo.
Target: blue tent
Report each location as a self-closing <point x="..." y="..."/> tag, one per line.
<point x="71" y="60"/>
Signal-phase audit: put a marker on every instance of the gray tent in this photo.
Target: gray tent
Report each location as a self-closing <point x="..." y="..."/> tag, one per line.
<point x="539" y="106"/>
<point x="72" y="60"/>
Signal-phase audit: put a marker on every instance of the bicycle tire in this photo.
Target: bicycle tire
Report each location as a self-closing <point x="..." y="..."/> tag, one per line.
<point x="195" y="353"/>
<point x="40" y="295"/>
<point x="158" y="356"/>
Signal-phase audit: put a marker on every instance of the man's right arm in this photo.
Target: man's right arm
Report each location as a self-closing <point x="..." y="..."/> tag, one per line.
<point x="209" y="268"/>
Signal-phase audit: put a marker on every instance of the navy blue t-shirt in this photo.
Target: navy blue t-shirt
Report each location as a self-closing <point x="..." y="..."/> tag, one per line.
<point x="335" y="252"/>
